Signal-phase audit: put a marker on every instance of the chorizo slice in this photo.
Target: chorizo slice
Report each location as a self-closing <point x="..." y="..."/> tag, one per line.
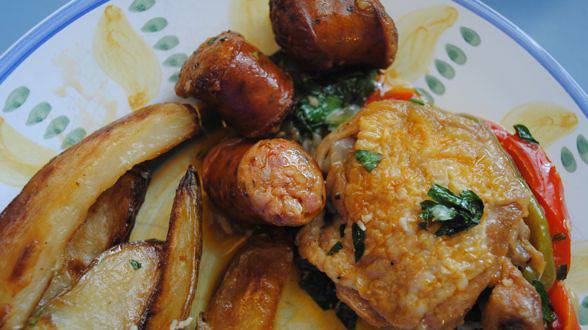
<point x="273" y="181"/>
<point x="328" y="34"/>
<point x="249" y="91"/>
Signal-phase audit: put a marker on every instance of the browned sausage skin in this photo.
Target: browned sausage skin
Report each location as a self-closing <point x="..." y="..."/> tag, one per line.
<point x="324" y="34"/>
<point x="273" y="181"/>
<point x="250" y="92"/>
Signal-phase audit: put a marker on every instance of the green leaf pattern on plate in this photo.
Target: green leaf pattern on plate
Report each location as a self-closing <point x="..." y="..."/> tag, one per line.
<point x="568" y="160"/>
<point x="38" y="113"/>
<point x="426" y="95"/>
<point x="456" y="54"/>
<point x="435" y="85"/>
<point x="154" y="25"/>
<point x="583" y="312"/>
<point x="445" y="69"/>
<point x="470" y="36"/>
<point x="141" y="5"/>
<point x="166" y="43"/>
<point x="174" y="77"/>
<point x="582" y="145"/>
<point x="176" y="60"/>
<point x="56" y="126"/>
<point x="73" y="137"/>
<point x="16" y="98"/>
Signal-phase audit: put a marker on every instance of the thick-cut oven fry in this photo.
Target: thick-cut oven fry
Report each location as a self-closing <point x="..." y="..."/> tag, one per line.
<point x="113" y="294"/>
<point x="108" y="223"/>
<point x="250" y="291"/>
<point x="38" y="223"/>
<point x="182" y="252"/>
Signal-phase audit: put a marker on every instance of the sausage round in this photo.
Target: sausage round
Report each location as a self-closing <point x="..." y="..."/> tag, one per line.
<point x="326" y="34"/>
<point x="273" y="181"/>
<point x="249" y="91"/>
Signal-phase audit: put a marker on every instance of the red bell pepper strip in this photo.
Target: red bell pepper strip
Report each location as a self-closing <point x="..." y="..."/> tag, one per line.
<point x="395" y="93"/>
<point x="563" y="308"/>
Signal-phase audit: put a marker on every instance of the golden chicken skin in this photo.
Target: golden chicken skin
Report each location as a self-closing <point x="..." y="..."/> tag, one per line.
<point x="387" y="169"/>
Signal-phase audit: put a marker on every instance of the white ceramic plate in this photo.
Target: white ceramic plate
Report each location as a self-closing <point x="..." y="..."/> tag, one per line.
<point x="95" y="60"/>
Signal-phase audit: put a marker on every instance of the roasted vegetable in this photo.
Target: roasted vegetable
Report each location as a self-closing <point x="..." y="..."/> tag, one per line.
<point x="109" y="222"/>
<point x="181" y="260"/>
<point x="113" y="294"/>
<point x="38" y="223"/>
<point x="250" y="291"/>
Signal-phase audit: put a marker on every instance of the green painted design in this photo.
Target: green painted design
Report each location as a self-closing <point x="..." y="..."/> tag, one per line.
<point x="426" y="95"/>
<point x="38" y="113"/>
<point x="445" y="69"/>
<point x="470" y="36"/>
<point x="141" y="5"/>
<point x="435" y="85"/>
<point x="582" y="145"/>
<point x="568" y="160"/>
<point x="176" y="60"/>
<point x="154" y="25"/>
<point x="174" y="77"/>
<point x="56" y="126"/>
<point x="73" y="137"/>
<point x="456" y="54"/>
<point x="16" y="98"/>
<point x="166" y="43"/>
<point x="583" y="312"/>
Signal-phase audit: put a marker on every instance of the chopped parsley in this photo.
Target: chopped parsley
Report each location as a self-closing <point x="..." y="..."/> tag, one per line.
<point x="524" y="133"/>
<point x="368" y="159"/>
<point x="211" y="41"/>
<point x="417" y="101"/>
<point x="135" y="264"/>
<point x="358" y="236"/>
<point x="548" y="313"/>
<point x="562" y="272"/>
<point x="454" y="213"/>
<point x="335" y="248"/>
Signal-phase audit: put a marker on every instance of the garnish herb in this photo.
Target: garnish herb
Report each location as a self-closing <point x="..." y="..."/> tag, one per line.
<point x="358" y="237"/>
<point x="417" y="101"/>
<point x="335" y="248"/>
<point x="211" y="41"/>
<point x="548" y="313"/>
<point x="135" y="264"/>
<point x="454" y="213"/>
<point x="342" y="230"/>
<point x="562" y="272"/>
<point x="255" y="54"/>
<point x="368" y="159"/>
<point x="524" y="133"/>
<point x="559" y="237"/>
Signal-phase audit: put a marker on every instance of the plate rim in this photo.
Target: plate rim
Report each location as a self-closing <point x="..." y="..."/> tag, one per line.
<point x="75" y="9"/>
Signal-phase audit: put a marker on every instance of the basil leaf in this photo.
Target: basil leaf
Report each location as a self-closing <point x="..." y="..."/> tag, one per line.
<point x="524" y="133"/>
<point x="358" y="236"/>
<point x="368" y="159"/>
<point x="342" y="230"/>
<point x="472" y="203"/>
<point x="441" y="212"/>
<point x="443" y="195"/>
<point x="335" y="248"/>
<point x="548" y="313"/>
<point x="135" y="264"/>
<point x="417" y="101"/>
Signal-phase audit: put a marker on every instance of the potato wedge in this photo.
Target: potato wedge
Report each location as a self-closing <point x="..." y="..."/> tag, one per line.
<point x="250" y="291"/>
<point x="109" y="222"/>
<point x="113" y="294"/>
<point x="36" y="226"/>
<point x="182" y="252"/>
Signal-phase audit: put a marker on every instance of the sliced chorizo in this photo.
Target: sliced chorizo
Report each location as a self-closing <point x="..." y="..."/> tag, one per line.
<point x="273" y="181"/>
<point x="249" y="91"/>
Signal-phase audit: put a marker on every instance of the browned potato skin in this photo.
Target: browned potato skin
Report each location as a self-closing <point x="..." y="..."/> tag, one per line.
<point x="259" y="182"/>
<point x="250" y="291"/>
<point x="249" y="91"/>
<point x="327" y="34"/>
<point x="109" y="222"/>
<point x="181" y="260"/>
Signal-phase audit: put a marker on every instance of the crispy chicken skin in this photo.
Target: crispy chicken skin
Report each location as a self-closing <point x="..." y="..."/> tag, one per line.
<point x="327" y="34"/>
<point x="248" y="90"/>
<point x="410" y="277"/>
<point x="273" y="181"/>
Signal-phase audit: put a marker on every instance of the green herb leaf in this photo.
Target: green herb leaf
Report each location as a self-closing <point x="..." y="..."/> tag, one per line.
<point x="441" y="212"/>
<point x="342" y="230"/>
<point x="548" y="313"/>
<point x="135" y="264"/>
<point x="358" y="236"/>
<point x="524" y="133"/>
<point x="368" y="159"/>
<point x="562" y="272"/>
<point x="211" y="41"/>
<point x="417" y="101"/>
<point x="336" y="248"/>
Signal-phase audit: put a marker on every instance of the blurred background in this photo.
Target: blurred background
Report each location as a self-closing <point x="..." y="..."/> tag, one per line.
<point x="560" y="26"/>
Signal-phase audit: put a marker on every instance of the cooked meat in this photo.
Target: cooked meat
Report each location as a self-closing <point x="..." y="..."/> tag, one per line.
<point x="272" y="181"/>
<point x="249" y="91"/>
<point x="409" y="276"/>
<point x="513" y="303"/>
<point x="326" y="34"/>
